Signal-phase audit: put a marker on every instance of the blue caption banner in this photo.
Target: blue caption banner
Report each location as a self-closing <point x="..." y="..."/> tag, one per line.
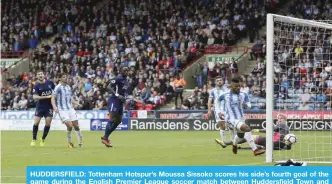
<point x="178" y="175"/>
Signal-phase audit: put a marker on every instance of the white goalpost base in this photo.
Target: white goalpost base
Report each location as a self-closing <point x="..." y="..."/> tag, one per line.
<point x="323" y="140"/>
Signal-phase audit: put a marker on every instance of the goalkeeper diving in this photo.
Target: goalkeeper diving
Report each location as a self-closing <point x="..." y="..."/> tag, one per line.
<point x="280" y="130"/>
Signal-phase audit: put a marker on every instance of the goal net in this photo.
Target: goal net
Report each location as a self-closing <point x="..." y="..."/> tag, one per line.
<point x="299" y="86"/>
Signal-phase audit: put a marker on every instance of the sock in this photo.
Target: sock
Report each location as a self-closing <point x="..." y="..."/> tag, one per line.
<point x="46" y="130"/>
<point x="108" y="130"/>
<point x="69" y="136"/>
<point x="236" y="140"/>
<point x="222" y="135"/>
<point x="251" y="142"/>
<point x="232" y="135"/>
<point x="34" y="132"/>
<point x="79" y="135"/>
<point x="113" y="127"/>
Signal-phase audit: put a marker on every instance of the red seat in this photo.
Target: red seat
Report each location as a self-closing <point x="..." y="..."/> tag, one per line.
<point x="139" y="105"/>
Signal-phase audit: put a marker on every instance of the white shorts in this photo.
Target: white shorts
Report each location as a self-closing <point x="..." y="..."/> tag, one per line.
<point x="236" y="125"/>
<point x="68" y="115"/>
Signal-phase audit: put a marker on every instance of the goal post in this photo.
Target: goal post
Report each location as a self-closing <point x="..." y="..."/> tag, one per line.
<point x="275" y="33"/>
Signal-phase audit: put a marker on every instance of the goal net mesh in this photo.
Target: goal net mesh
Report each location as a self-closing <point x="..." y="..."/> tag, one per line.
<point x="303" y="88"/>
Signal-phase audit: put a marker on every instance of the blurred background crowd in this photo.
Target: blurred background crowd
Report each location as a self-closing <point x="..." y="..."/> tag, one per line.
<point x="157" y="40"/>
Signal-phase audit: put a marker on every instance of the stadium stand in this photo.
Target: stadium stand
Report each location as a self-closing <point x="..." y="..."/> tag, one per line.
<point x="155" y="40"/>
<point x="310" y="80"/>
<point x="298" y="87"/>
<point x="25" y="23"/>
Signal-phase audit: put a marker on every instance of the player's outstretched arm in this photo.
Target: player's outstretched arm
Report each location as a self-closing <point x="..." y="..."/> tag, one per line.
<point x="53" y="96"/>
<point x="75" y="103"/>
<point x="209" y="107"/>
<point x="280" y="145"/>
<point x="220" y="108"/>
<point x="37" y="97"/>
<point x="55" y="108"/>
<point x="246" y="103"/>
<point x="111" y="90"/>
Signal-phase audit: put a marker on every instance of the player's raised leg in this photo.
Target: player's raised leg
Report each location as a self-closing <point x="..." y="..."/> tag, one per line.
<point x="118" y="89"/>
<point x="244" y="131"/>
<point x="114" y="122"/>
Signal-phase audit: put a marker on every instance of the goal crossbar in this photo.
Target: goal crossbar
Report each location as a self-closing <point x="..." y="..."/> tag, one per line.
<point x="309" y="23"/>
<point x="271" y="18"/>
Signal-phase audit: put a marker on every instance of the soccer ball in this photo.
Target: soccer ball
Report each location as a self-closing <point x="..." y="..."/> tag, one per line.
<point x="290" y="139"/>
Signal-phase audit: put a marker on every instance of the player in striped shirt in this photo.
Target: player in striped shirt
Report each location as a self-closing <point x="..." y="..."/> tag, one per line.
<point x="62" y="102"/>
<point x="234" y="101"/>
<point x="215" y="93"/>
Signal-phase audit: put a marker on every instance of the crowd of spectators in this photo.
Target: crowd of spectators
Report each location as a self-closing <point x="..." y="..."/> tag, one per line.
<point x="154" y="39"/>
<point x="24" y="23"/>
<point x="302" y="62"/>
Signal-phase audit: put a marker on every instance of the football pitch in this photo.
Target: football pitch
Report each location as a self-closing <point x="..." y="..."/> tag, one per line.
<point x="131" y="148"/>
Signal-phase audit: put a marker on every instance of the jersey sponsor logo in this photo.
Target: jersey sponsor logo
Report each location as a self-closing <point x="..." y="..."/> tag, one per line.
<point x="46" y="93"/>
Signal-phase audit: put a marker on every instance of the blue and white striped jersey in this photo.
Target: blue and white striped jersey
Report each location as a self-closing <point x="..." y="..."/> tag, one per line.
<point x="215" y="93"/>
<point x="233" y="104"/>
<point x="63" y="97"/>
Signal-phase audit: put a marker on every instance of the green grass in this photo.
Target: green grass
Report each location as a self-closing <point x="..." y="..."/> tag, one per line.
<point x="131" y="148"/>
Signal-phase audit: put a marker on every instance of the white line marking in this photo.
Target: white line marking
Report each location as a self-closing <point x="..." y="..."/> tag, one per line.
<point x="13" y="176"/>
<point x="249" y="164"/>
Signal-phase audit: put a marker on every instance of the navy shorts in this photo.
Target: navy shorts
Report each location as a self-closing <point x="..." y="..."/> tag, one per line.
<point x="44" y="112"/>
<point x="115" y="106"/>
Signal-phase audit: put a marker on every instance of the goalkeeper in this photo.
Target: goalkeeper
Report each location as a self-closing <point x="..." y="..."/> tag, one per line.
<point x="280" y="130"/>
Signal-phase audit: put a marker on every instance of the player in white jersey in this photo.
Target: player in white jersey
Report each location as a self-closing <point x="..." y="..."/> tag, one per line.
<point x="215" y="93"/>
<point x="62" y="102"/>
<point x="234" y="101"/>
